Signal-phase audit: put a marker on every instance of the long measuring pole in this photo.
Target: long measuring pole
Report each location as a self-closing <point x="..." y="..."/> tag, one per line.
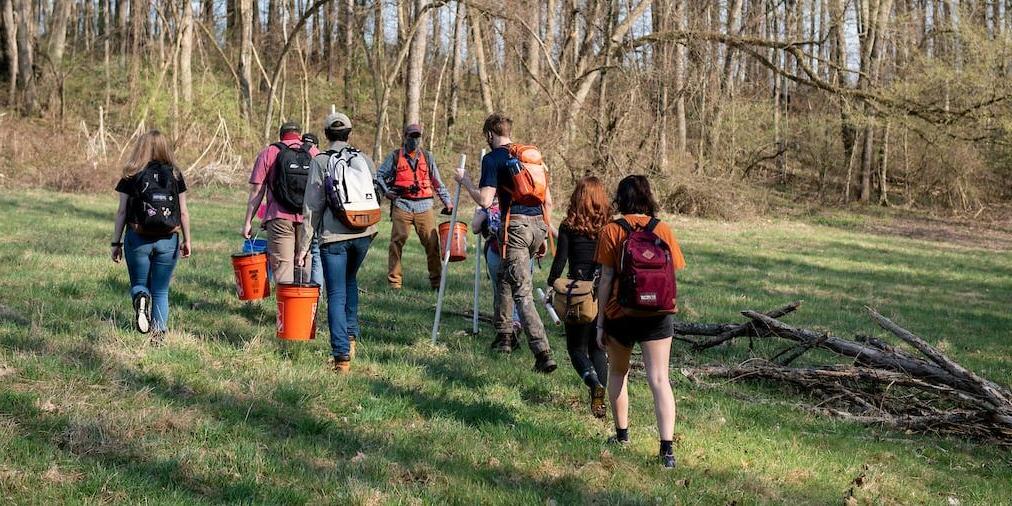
<point x="446" y="256"/>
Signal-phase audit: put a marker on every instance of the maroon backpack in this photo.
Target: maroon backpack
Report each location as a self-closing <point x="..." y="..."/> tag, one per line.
<point x="646" y="274"/>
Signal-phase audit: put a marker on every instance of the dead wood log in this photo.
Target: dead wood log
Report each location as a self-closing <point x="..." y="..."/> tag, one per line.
<point x="995" y="394"/>
<point x="861" y="353"/>
<point x="741" y="329"/>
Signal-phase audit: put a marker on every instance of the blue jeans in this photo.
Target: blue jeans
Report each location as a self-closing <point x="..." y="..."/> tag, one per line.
<point x="493" y="260"/>
<point x="150" y="263"/>
<point x="316" y="275"/>
<point x="341" y="261"/>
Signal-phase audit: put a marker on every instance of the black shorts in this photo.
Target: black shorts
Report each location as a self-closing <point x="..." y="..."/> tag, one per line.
<point x="629" y="331"/>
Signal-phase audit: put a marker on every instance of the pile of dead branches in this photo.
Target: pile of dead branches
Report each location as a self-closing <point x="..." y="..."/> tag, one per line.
<point x="920" y="390"/>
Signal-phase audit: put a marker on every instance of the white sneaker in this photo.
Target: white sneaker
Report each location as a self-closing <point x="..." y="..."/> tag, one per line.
<point x="142" y="312"/>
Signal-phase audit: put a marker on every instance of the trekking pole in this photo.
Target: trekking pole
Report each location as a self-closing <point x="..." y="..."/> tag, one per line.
<point x="446" y="257"/>
<point x="477" y="282"/>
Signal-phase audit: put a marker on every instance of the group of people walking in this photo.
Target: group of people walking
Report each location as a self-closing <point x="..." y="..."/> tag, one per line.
<point x="619" y="289"/>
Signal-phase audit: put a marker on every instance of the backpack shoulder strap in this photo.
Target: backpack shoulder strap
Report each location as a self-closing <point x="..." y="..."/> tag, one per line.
<point x="281" y="146"/>
<point x="625" y="225"/>
<point x="652" y="225"/>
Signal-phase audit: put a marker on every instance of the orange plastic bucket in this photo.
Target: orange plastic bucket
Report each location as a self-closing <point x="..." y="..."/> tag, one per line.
<point x="297" y="311"/>
<point x="458" y="244"/>
<point x="251" y="280"/>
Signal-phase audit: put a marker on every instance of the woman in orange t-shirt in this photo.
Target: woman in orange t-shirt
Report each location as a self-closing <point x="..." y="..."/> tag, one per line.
<point x="620" y="332"/>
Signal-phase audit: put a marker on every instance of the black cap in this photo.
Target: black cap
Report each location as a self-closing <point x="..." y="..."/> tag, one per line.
<point x="311" y="138"/>
<point x="289" y="126"/>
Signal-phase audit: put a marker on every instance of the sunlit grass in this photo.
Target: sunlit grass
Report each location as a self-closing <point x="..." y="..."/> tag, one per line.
<point x="89" y="412"/>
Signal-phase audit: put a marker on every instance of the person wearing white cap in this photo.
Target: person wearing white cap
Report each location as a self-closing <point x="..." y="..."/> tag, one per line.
<point x="409" y="178"/>
<point x="342" y="249"/>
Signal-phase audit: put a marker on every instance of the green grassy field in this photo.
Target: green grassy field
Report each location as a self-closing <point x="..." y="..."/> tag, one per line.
<point x="90" y="413"/>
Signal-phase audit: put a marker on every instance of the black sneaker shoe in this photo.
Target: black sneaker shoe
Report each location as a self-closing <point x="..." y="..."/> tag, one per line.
<point x="615" y="440"/>
<point x="142" y="313"/>
<point x="503" y="343"/>
<point x="597" y="408"/>
<point x="668" y="461"/>
<point x="544" y="363"/>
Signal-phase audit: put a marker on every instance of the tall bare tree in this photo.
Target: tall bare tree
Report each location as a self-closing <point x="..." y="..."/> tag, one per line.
<point x="11" y="49"/>
<point x="29" y="102"/>
<point x="186" y="53"/>
<point x="416" y="65"/>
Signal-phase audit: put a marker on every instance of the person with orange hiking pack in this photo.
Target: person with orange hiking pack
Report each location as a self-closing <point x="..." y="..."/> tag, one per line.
<point x="516" y="174"/>
<point x="409" y="178"/>
<point x="638" y="255"/>
<point x="152" y="210"/>
<point x="574" y="296"/>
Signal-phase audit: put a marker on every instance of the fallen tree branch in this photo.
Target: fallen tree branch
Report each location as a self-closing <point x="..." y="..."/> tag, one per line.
<point x="740" y="329"/>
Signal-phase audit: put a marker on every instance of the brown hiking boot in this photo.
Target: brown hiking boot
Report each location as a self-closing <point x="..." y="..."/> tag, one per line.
<point x="544" y="363"/>
<point x="342" y="364"/>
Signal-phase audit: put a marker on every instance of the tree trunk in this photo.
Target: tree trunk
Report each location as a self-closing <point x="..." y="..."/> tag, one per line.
<point x="348" y="51"/>
<point x="474" y="19"/>
<point x="186" y="53"/>
<point x="58" y="31"/>
<point x="137" y="11"/>
<point x="416" y="66"/>
<point x="11" y="49"/>
<point x="681" y="18"/>
<point x="246" y="58"/>
<point x="29" y="102"/>
<point x="459" y="37"/>
<point x="533" y="49"/>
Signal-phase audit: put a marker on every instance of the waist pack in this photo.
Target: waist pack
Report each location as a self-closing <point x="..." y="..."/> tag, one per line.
<point x="574" y="300"/>
<point x="646" y="277"/>
<point x="348" y="183"/>
<point x="155" y="200"/>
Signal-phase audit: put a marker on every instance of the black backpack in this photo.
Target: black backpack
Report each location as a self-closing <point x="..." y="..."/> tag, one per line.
<point x="291" y="175"/>
<point x="155" y="199"/>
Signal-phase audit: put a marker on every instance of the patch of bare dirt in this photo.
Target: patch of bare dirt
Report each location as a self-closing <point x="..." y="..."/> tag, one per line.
<point x="994" y="235"/>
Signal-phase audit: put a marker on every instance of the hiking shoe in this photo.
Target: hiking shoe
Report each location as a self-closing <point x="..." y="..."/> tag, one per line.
<point x="342" y="364"/>
<point x="615" y="440"/>
<point x="142" y="312"/>
<point x="668" y="461"/>
<point x="597" y="393"/>
<point x="544" y="363"/>
<point x="503" y="343"/>
<point x="351" y="346"/>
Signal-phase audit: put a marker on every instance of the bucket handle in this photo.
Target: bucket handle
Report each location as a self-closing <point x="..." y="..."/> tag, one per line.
<point x="252" y="241"/>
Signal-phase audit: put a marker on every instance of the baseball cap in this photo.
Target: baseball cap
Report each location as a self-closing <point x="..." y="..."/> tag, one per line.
<point x="289" y="126"/>
<point x="413" y="128"/>
<point x="336" y="120"/>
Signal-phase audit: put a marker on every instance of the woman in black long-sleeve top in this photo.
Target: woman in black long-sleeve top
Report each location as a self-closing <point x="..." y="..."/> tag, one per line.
<point x="589" y="211"/>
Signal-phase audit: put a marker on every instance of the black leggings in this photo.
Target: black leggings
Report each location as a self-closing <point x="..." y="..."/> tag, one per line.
<point x="590" y="362"/>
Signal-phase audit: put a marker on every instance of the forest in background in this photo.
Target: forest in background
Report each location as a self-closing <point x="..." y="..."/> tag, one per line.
<point x="731" y="105"/>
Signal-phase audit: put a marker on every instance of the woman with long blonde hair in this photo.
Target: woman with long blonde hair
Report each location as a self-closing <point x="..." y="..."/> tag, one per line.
<point x="152" y="211"/>
<point x="589" y="211"/>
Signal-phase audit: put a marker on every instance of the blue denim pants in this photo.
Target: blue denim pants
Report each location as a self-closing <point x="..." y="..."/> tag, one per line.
<point x="316" y="272"/>
<point x="341" y="261"/>
<point x="150" y="262"/>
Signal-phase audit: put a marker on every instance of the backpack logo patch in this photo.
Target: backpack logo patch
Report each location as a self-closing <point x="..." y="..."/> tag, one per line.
<point x="649" y="255"/>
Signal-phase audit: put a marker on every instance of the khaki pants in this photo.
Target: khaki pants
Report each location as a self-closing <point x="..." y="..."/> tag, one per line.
<point x="425" y="228"/>
<point x="282" y="236"/>
<point x="516" y="286"/>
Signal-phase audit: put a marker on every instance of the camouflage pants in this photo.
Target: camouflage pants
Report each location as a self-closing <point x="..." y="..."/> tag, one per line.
<point x="525" y="236"/>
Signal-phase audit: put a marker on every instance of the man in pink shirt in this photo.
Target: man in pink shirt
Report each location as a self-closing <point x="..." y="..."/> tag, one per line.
<point x="284" y="188"/>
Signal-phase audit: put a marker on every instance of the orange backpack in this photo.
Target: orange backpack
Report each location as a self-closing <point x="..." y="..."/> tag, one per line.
<point x="530" y="176"/>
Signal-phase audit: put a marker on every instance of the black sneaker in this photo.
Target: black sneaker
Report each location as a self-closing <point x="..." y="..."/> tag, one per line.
<point x="503" y="343"/>
<point x="615" y="440"/>
<point x="544" y="363"/>
<point x="142" y="312"/>
<point x="668" y="461"/>
<point x="597" y="407"/>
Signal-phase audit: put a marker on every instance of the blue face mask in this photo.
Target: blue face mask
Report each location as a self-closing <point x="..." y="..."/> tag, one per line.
<point x="411" y="143"/>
